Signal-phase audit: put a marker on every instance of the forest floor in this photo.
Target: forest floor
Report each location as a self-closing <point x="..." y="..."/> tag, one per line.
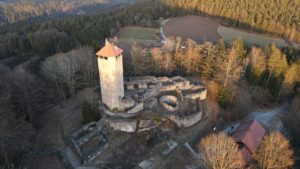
<point x="57" y="123"/>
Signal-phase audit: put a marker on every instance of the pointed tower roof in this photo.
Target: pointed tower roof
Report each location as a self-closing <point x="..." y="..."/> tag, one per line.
<point x="109" y="50"/>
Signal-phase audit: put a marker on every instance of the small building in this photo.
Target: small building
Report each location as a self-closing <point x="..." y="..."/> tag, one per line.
<point x="110" y="65"/>
<point x="248" y="136"/>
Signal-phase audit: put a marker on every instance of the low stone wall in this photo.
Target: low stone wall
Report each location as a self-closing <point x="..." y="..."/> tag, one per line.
<point x="81" y="142"/>
<point x="148" y="93"/>
<point x="197" y="94"/>
<point x="97" y="152"/>
<point x="150" y="103"/>
<point x="132" y="125"/>
<point x="125" y="103"/>
<point x="187" y="121"/>
<point x="169" y="102"/>
<point x="176" y="85"/>
<point x="137" y="108"/>
<point x="153" y="92"/>
<point x="127" y="115"/>
<point x="83" y="129"/>
<point x="126" y="125"/>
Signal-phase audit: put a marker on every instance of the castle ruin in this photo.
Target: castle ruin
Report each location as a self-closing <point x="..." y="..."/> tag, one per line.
<point x="133" y="104"/>
<point x="123" y="99"/>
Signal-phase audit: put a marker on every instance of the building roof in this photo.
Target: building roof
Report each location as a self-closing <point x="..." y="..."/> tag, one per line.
<point x="249" y="134"/>
<point x="109" y="50"/>
<point x="246" y="154"/>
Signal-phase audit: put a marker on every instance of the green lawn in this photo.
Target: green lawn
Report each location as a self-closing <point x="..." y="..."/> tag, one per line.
<point x="230" y="34"/>
<point x="138" y="34"/>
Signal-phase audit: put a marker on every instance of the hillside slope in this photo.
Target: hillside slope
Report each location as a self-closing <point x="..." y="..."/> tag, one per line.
<point x="14" y="11"/>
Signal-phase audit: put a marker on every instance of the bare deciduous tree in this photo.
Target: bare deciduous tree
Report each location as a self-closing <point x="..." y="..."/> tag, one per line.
<point x="229" y="69"/>
<point x="16" y="132"/>
<point x="292" y="75"/>
<point x="30" y="96"/>
<point x="140" y="60"/>
<point x="88" y="64"/>
<point x="71" y="70"/>
<point x="220" y="151"/>
<point x="163" y="61"/>
<point x="258" y="64"/>
<point x="277" y="63"/>
<point x="274" y="152"/>
<point x="192" y="59"/>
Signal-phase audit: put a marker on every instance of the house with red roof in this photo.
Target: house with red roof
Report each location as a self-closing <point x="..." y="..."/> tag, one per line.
<point x="248" y="136"/>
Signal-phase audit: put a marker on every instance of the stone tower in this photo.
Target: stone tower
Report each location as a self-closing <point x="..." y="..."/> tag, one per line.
<point x="110" y="66"/>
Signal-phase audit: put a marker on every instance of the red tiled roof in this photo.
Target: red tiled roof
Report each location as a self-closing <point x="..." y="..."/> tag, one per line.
<point x="250" y="135"/>
<point x="109" y="50"/>
<point x="245" y="153"/>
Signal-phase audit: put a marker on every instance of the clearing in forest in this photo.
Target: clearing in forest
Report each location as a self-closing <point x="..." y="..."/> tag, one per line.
<point x="198" y="28"/>
<point x="138" y="34"/>
<point x="230" y="34"/>
<point x="202" y="29"/>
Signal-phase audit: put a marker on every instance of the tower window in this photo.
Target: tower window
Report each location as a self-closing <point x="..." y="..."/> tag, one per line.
<point x="103" y="57"/>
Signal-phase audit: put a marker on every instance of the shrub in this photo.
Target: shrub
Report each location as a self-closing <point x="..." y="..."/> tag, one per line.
<point x="90" y="112"/>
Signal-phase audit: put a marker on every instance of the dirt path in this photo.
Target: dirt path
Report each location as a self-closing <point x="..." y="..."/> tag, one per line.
<point x="48" y="140"/>
<point x="162" y="29"/>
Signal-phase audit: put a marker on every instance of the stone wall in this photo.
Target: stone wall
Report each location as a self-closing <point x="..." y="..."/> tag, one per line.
<point x="137" y="108"/>
<point x="126" y="125"/>
<point x="187" y="121"/>
<point x="132" y="125"/>
<point x="81" y="142"/>
<point x="126" y="103"/>
<point x="150" y="103"/>
<point x="169" y="102"/>
<point x="196" y="94"/>
<point x="128" y="114"/>
<point x="153" y="92"/>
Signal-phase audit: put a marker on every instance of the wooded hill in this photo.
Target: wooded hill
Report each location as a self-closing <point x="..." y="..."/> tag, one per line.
<point x="45" y="38"/>
<point x="15" y="11"/>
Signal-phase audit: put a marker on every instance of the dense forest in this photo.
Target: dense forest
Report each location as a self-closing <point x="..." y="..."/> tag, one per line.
<point x="15" y="11"/>
<point x="227" y="64"/>
<point x="60" y="35"/>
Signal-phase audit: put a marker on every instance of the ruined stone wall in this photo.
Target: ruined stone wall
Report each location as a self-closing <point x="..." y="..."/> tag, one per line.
<point x="126" y="115"/>
<point x="111" y="80"/>
<point x="187" y="121"/>
<point x="197" y="94"/>
<point x="126" y="125"/>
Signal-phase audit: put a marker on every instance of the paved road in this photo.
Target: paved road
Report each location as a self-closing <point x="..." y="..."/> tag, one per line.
<point x="266" y="116"/>
<point x="162" y="29"/>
